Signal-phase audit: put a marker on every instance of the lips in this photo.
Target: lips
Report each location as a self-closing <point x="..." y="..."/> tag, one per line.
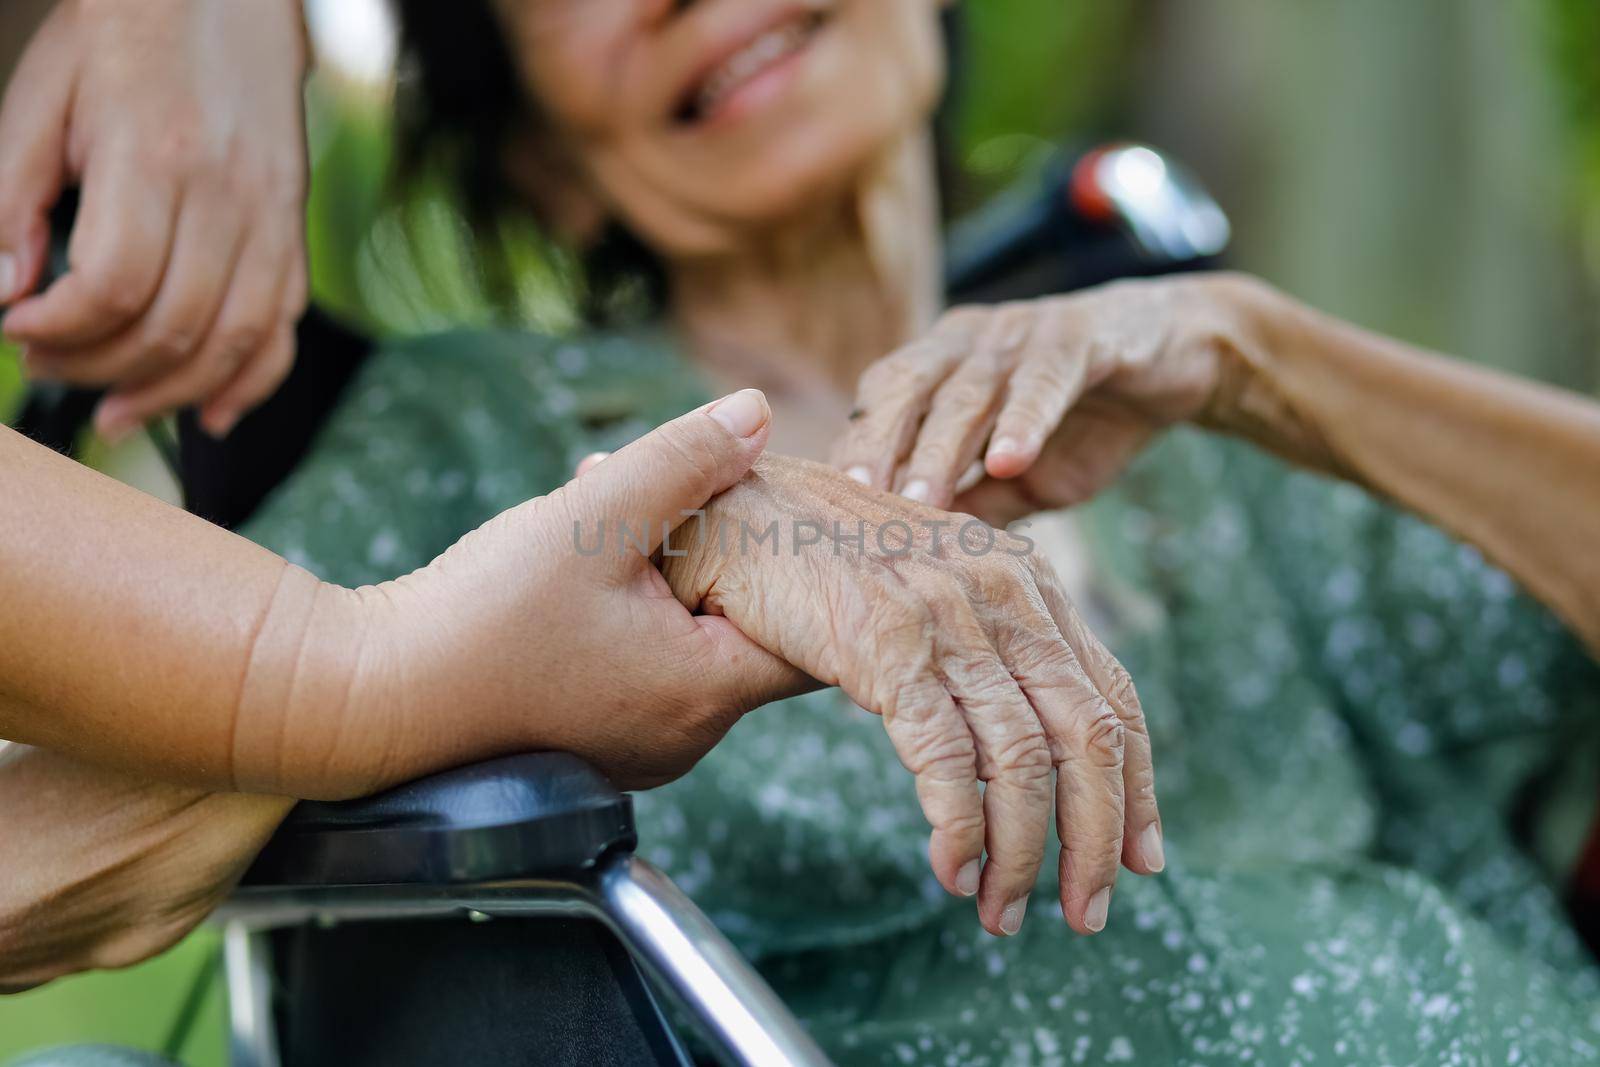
<point x="746" y="63"/>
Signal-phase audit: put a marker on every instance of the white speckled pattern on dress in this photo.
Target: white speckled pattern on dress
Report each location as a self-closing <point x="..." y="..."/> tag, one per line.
<point x="1348" y="709"/>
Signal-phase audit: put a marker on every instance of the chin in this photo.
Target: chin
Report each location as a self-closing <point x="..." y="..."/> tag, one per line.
<point x="804" y="168"/>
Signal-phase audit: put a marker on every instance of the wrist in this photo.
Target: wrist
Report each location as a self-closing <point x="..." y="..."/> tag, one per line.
<point x="1242" y="309"/>
<point x="304" y="720"/>
<point x="1261" y="391"/>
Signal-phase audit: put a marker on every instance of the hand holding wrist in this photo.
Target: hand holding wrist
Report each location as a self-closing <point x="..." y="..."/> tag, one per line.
<point x="543" y="629"/>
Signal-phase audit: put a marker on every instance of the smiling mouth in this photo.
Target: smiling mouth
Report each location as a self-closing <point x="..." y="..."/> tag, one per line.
<point x="724" y="80"/>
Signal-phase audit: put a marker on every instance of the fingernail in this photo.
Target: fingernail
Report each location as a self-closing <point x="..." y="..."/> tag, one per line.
<point x="1005" y="446"/>
<point x="859" y="474"/>
<point x="1094" y="916"/>
<point x="8" y="277"/>
<point x="919" y="490"/>
<point x="1011" y="918"/>
<point x="590" y="462"/>
<point x="967" y="878"/>
<point x="1150" y="848"/>
<point x="742" y="413"/>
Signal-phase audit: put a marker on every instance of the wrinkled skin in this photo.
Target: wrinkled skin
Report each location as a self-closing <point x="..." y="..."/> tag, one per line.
<point x="104" y="869"/>
<point x="1010" y="409"/>
<point x="976" y="660"/>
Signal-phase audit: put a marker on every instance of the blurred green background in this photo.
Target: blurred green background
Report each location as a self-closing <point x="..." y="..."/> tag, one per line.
<point x="1429" y="168"/>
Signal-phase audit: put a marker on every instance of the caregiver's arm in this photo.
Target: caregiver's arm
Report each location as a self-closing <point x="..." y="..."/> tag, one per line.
<point x="104" y="869"/>
<point x="1053" y="397"/>
<point x="138" y="636"/>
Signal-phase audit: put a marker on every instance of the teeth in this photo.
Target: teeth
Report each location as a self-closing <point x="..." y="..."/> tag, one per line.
<point x="749" y="61"/>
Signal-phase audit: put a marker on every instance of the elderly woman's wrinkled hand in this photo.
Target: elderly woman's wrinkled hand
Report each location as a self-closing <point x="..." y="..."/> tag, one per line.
<point x="964" y="642"/>
<point x="1014" y="408"/>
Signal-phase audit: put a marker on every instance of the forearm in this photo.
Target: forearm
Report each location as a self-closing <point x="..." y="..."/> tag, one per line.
<point x="1511" y="466"/>
<point x="104" y="869"/>
<point x="142" y="637"/>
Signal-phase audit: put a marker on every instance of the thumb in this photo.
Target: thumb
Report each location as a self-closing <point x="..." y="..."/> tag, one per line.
<point x="33" y="145"/>
<point x="739" y="675"/>
<point x="641" y="492"/>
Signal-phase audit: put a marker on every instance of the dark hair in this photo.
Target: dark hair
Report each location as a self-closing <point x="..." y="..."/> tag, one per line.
<point x="458" y="104"/>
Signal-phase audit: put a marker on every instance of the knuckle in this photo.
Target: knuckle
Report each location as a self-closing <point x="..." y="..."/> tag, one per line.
<point x="965" y="822"/>
<point x="1120" y="691"/>
<point x="933" y="458"/>
<point x="962" y="319"/>
<point x="1003" y="578"/>
<point x="166" y="344"/>
<point x="175" y="148"/>
<point x="686" y="454"/>
<point x="912" y="696"/>
<point x="278" y="366"/>
<point x="887" y="374"/>
<point x="116" y="290"/>
<point x="239" y="339"/>
<point x="966" y="393"/>
<point x="1047" y="664"/>
<point x="1025" y="755"/>
<point x="1098" y="735"/>
<point x="942" y="755"/>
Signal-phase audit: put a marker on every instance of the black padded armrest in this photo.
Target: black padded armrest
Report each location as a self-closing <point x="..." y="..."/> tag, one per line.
<point x="539" y="815"/>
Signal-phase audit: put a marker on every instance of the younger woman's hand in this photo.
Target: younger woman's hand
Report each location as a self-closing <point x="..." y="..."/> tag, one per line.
<point x="531" y="633"/>
<point x="1039" y="404"/>
<point x="182" y="121"/>
<point x="244" y="672"/>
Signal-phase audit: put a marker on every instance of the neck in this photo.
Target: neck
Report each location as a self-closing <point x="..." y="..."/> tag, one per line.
<point x="801" y="310"/>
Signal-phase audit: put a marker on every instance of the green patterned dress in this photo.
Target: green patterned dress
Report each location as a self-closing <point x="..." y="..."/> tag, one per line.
<point x="1360" y="729"/>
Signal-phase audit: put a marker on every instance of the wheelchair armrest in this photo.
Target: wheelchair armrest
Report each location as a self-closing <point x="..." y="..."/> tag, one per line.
<point x="531" y="816"/>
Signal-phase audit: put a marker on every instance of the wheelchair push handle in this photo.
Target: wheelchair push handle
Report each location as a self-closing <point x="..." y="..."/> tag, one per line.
<point x="540" y="815"/>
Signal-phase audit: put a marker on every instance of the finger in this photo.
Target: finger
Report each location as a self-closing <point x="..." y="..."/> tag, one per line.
<point x="172" y="332"/>
<point x="894" y="395"/>
<point x="1044" y="388"/>
<point x="738" y="673"/>
<point x="589" y="462"/>
<point x="259" y="376"/>
<point x="117" y="255"/>
<point x="648" y="486"/>
<point x="935" y="744"/>
<point x="964" y="409"/>
<point x="224" y="408"/>
<point x="1014" y="763"/>
<point x="1087" y="745"/>
<point x="974" y="474"/>
<point x="34" y="120"/>
<point x="1143" y="850"/>
<point x="238" y="329"/>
